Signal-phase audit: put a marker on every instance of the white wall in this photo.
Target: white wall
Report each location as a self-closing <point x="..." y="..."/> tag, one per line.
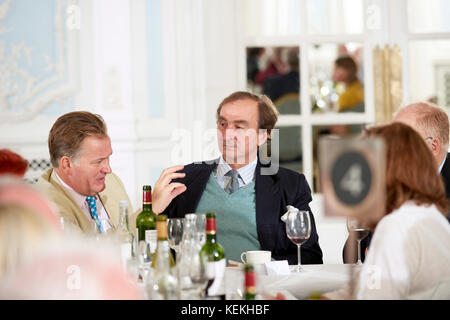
<point x="196" y="57"/>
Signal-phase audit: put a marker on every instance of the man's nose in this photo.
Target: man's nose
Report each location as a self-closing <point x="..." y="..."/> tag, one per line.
<point x="107" y="168"/>
<point x="230" y="133"/>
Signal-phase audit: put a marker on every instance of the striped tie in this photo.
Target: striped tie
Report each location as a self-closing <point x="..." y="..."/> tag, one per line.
<point x="93" y="210"/>
<point x="233" y="184"/>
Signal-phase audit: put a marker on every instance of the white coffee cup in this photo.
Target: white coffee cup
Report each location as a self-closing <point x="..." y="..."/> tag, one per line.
<point x="256" y="256"/>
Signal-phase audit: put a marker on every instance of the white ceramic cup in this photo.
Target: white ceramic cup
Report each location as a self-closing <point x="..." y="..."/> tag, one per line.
<point x="256" y="256"/>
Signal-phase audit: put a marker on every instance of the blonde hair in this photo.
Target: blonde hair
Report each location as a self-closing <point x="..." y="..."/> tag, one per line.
<point x="22" y="232"/>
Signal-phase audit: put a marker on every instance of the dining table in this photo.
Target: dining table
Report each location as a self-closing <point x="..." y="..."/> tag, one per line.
<point x="313" y="281"/>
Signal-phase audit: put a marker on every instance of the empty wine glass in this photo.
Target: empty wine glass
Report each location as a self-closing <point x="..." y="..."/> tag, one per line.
<point x="359" y="233"/>
<point x="197" y="273"/>
<point x="175" y="233"/>
<point x="144" y="259"/>
<point x="298" y="230"/>
<point x="201" y="227"/>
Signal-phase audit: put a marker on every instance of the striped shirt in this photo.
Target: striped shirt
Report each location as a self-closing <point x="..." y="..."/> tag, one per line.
<point x="246" y="173"/>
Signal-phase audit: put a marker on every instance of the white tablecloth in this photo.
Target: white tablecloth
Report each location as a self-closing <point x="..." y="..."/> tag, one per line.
<point x="316" y="279"/>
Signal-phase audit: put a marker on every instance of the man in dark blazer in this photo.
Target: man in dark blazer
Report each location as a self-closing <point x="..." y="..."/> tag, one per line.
<point x="445" y="174"/>
<point x="432" y="123"/>
<point x="181" y="190"/>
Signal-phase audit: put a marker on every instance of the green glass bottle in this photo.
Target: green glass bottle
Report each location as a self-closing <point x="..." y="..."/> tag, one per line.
<point x="162" y="247"/>
<point x="249" y="285"/>
<point x="213" y="256"/>
<point x="146" y="220"/>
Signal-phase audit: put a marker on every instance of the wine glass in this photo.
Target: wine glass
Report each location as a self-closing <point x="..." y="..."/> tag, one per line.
<point x="359" y="233"/>
<point x="298" y="230"/>
<point x="144" y="259"/>
<point x="197" y="273"/>
<point x="201" y="227"/>
<point x="175" y="233"/>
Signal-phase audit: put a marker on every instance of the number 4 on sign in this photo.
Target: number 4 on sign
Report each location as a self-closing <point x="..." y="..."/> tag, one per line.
<point x="352" y="180"/>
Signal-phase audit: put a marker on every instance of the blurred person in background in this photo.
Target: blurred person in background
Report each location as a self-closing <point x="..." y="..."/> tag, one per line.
<point x="28" y="222"/>
<point x="81" y="183"/>
<point x="279" y="85"/>
<point x="275" y="65"/>
<point x="16" y="191"/>
<point x="23" y="234"/>
<point x="408" y="256"/>
<point x="12" y="163"/>
<point x="253" y="56"/>
<point x="351" y="98"/>
<point x="74" y="270"/>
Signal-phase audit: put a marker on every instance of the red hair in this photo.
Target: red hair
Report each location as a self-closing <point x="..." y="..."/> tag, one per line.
<point x="410" y="170"/>
<point x="12" y="163"/>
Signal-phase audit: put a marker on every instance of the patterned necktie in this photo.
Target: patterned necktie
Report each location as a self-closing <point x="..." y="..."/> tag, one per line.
<point x="233" y="184"/>
<point x="93" y="210"/>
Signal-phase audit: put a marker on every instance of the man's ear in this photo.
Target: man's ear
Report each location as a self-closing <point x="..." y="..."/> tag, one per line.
<point x="65" y="164"/>
<point x="436" y="147"/>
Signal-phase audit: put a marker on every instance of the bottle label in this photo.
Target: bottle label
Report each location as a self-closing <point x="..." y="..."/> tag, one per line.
<point x="216" y="270"/>
<point x="150" y="237"/>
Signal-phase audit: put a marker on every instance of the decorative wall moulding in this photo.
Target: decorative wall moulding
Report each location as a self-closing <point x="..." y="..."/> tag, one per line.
<point x="38" y="57"/>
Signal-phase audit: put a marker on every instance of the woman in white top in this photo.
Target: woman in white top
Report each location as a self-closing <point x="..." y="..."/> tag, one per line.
<point x="409" y="255"/>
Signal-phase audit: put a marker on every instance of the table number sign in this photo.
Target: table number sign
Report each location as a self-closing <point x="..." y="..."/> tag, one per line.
<point x="352" y="176"/>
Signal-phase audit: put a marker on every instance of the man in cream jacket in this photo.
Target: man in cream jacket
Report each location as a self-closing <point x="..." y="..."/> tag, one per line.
<point x="81" y="183"/>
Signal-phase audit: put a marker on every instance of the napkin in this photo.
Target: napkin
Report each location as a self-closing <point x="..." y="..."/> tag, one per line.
<point x="289" y="208"/>
<point x="280" y="267"/>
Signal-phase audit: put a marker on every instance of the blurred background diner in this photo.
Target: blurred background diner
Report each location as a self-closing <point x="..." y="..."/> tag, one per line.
<point x="156" y="71"/>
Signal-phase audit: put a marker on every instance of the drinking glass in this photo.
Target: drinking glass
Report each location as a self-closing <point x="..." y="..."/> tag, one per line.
<point x="298" y="230"/>
<point x="201" y="227"/>
<point x="175" y="233"/>
<point x="144" y="259"/>
<point x="359" y="233"/>
<point x="197" y="273"/>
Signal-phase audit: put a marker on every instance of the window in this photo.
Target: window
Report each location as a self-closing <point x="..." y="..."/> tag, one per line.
<point x="295" y="44"/>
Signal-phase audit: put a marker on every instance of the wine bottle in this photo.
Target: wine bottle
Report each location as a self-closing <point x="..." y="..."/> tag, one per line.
<point x="213" y="256"/>
<point x="124" y="235"/>
<point x="146" y="220"/>
<point x="162" y="246"/>
<point x="165" y="284"/>
<point x="249" y="285"/>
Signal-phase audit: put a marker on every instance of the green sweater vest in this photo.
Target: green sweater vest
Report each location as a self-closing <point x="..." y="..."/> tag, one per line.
<point x="235" y="217"/>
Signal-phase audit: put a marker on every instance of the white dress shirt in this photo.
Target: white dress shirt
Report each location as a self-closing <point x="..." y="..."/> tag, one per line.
<point x="409" y="256"/>
<point x="442" y="165"/>
<point x="246" y="173"/>
<point x="82" y="203"/>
